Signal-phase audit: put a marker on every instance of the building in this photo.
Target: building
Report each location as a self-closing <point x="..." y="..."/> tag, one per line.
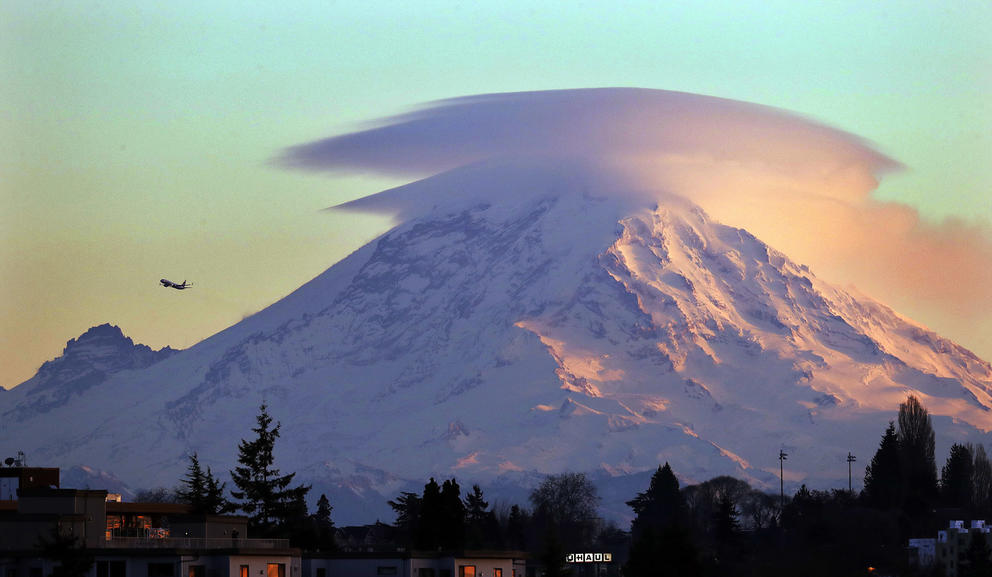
<point x="135" y="539"/>
<point x="922" y="553"/>
<point x="953" y="544"/>
<point x="170" y="540"/>
<point x="14" y="478"/>
<point x="416" y="564"/>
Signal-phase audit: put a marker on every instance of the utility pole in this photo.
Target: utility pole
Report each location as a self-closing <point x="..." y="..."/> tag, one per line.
<point x="850" y="459"/>
<point x="781" y="474"/>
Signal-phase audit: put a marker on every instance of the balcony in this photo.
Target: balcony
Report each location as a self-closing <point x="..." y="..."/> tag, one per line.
<point x="193" y="543"/>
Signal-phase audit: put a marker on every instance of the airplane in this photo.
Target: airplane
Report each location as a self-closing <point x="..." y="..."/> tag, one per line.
<point x="168" y="283"/>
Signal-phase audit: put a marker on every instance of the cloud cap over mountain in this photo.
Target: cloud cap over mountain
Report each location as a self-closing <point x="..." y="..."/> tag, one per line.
<point x="615" y="123"/>
<point x="802" y="186"/>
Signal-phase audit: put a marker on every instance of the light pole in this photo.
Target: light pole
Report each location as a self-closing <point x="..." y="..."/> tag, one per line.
<point x="850" y="459"/>
<point x="781" y="474"/>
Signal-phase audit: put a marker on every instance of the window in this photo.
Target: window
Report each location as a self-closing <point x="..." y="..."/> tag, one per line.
<point x="110" y="569"/>
<point x="425" y="572"/>
<point x="194" y="571"/>
<point x="243" y="572"/>
<point x="276" y="570"/>
<point x="160" y="570"/>
<point x="386" y="570"/>
<point x="498" y="572"/>
<point x="445" y="572"/>
<point x="466" y="571"/>
<point x="321" y="571"/>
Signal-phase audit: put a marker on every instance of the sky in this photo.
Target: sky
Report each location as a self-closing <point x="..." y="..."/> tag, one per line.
<point x="141" y="140"/>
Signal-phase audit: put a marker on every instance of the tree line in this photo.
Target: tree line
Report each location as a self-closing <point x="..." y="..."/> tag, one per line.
<point x="718" y="527"/>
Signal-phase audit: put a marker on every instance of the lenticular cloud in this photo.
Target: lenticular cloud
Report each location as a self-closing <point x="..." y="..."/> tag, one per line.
<point x="801" y="186"/>
<point x="618" y="125"/>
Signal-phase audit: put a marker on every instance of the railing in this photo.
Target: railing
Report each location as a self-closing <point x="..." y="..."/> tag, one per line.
<point x="194" y="543"/>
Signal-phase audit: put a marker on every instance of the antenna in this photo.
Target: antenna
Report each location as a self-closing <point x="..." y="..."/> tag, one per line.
<point x="850" y="459"/>
<point x="781" y="474"/>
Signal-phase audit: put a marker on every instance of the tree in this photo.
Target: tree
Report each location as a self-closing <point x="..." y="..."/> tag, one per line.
<point x="475" y="506"/>
<point x="265" y="495"/>
<point x="202" y="490"/>
<point x="981" y="483"/>
<point x="661" y="506"/>
<point x="956" y="478"/>
<point x="481" y="528"/>
<point x="703" y="500"/>
<point x="193" y="489"/>
<point x="725" y="520"/>
<point x="883" y="477"/>
<point x="452" y="516"/>
<point x="407" y="507"/>
<point x="517" y="523"/>
<point x="569" y="502"/>
<point x="916" y="445"/>
<point x="429" y="525"/>
<point x="324" y="524"/>
<point x="660" y="530"/>
<point x="215" y="503"/>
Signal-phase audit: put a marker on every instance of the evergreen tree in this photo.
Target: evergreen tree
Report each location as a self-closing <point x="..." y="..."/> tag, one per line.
<point x="883" y="477"/>
<point x="193" y="489"/>
<point x="726" y="524"/>
<point x="916" y="445"/>
<point x="660" y="531"/>
<point x="202" y="490"/>
<point x="452" y="515"/>
<point x="475" y="506"/>
<point x="296" y="523"/>
<point x="956" y="478"/>
<point x="661" y="506"/>
<point x="266" y="496"/>
<point x="324" y="524"/>
<point x="429" y="524"/>
<point x="516" y="528"/>
<point x="481" y="528"/>
<point x="407" y="507"/>
<point x="215" y="503"/>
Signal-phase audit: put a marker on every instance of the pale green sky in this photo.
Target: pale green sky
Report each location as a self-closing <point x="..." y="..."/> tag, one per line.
<point x="135" y="136"/>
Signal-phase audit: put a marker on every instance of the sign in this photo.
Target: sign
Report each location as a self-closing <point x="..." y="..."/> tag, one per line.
<point x="589" y="558"/>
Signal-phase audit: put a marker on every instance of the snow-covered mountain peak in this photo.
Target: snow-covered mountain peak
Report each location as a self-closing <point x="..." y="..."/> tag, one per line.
<point x="86" y="361"/>
<point x="529" y="319"/>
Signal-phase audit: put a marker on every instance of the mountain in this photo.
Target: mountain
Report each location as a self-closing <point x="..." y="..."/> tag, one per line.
<point x="86" y="362"/>
<point x="523" y="318"/>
